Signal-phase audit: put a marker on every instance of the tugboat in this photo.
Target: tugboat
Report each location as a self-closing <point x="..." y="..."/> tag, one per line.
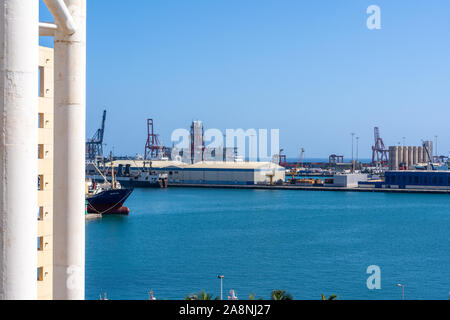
<point x="107" y="197"/>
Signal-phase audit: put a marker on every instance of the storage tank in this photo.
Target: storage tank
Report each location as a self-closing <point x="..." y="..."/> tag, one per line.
<point x="400" y="155"/>
<point x="425" y="155"/>
<point x="391" y="158"/>
<point x="419" y="154"/>
<point x="429" y="145"/>
<point x="394" y="159"/>
<point x="415" y="156"/>
<point x="405" y="155"/>
<point x="410" y="156"/>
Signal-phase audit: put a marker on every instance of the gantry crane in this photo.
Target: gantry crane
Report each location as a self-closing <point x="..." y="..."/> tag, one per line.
<point x="380" y="156"/>
<point x="300" y="160"/>
<point x="94" y="146"/>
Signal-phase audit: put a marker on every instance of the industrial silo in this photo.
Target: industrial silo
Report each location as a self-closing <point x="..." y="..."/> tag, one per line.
<point x="410" y="156"/>
<point x="420" y="154"/>
<point x="395" y="159"/>
<point x="400" y="155"/>
<point x="415" y="156"/>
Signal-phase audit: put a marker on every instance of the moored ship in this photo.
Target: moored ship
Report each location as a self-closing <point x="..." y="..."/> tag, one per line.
<point x="107" y="197"/>
<point x="108" y="201"/>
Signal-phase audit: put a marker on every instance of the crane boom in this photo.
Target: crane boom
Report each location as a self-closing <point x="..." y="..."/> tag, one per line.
<point x="300" y="159"/>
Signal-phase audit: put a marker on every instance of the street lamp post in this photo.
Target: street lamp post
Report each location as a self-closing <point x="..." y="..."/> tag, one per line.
<point x="221" y="286"/>
<point x="353" y="162"/>
<point x="357" y="149"/>
<point x="436" y="145"/>
<point x="403" y="290"/>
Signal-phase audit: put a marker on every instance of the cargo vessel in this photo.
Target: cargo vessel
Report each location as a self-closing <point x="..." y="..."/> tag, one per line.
<point x="106" y="197"/>
<point x="109" y="201"/>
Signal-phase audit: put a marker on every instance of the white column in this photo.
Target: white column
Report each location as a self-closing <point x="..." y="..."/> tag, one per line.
<point x="69" y="148"/>
<point x="19" y="34"/>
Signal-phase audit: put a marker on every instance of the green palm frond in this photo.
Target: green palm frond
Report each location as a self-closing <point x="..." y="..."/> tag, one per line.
<point x="281" y="295"/>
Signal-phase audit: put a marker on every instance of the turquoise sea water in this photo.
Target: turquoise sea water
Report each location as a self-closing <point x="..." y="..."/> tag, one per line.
<point x="177" y="240"/>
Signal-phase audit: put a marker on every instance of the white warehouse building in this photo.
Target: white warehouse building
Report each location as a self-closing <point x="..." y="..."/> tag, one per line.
<point x="225" y="173"/>
<point x="211" y="172"/>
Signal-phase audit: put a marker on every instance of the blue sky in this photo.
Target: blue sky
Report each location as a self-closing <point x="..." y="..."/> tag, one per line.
<point x="309" y="68"/>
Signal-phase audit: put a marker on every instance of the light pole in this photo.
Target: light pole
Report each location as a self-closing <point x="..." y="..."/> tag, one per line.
<point x="353" y="162"/>
<point x="357" y="149"/>
<point x="403" y="290"/>
<point x="436" y="140"/>
<point x="221" y="286"/>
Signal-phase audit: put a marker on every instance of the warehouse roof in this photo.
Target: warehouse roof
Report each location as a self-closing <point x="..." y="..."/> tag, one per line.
<point x="235" y="165"/>
<point x="199" y="165"/>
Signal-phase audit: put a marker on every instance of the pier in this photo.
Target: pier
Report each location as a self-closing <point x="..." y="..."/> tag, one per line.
<point x="311" y="188"/>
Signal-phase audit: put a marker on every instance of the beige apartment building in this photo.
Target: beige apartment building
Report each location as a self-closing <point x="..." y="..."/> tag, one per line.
<point x="45" y="176"/>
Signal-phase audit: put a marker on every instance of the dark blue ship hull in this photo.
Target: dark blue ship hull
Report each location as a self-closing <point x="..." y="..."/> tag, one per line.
<point x="109" y="202"/>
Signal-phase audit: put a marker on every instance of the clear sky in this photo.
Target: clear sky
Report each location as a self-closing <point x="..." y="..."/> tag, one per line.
<point x="309" y="68"/>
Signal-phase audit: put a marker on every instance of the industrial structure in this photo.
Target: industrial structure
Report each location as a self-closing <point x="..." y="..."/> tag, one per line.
<point x="417" y="179"/>
<point x="197" y="143"/>
<point x="94" y="146"/>
<point x="153" y="148"/>
<point x="54" y="268"/>
<point x="405" y="157"/>
<point x="380" y="155"/>
<point x="334" y="160"/>
<point x="211" y="172"/>
<point x="195" y="151"/>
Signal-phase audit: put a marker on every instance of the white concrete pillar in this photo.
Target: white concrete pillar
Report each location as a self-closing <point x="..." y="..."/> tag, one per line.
<point x="19" y="53"/>
<point x="69" y="148"/>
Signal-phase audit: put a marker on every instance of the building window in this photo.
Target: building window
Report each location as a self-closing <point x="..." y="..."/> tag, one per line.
<point x="40" y="243"/>
<point x="41" y="81"/>
<point x="40" y="120"/>
<point x="40" y="182"/>
<point x="40" y="274"/>
<point x="41" y="214"/>
<point x="40" y="151"/>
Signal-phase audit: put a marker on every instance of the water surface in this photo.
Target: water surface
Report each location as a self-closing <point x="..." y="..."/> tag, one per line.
<point x="177" y="240"/>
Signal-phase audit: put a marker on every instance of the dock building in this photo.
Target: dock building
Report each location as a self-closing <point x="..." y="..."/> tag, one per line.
<point x="206" y="172"/>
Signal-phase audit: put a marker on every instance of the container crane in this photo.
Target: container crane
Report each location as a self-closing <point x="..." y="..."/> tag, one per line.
<point x="94" y="146"/>
<point x="379" y="152"/>
<point x="300" y="161"/>
<point x="429" y="155"/>
<point x="297" y="168"/>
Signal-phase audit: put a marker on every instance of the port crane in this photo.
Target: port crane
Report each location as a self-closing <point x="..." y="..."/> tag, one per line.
<point x="379" y="151"/>
<point x="153" y="149"/>
<point x="94" y="146"/>
<point x="299" y="164"/>
<point x="428" y="154"/>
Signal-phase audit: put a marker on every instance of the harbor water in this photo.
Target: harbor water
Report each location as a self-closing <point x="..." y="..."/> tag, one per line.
<point x="177" y="240"/>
